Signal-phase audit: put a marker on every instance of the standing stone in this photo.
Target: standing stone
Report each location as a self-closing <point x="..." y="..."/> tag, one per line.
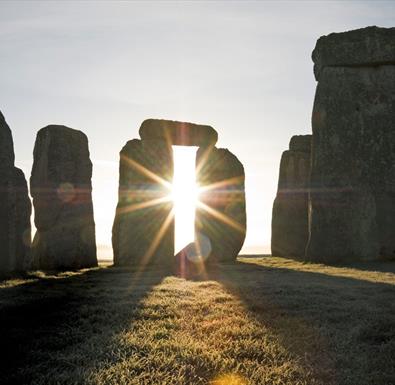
<point x="290" y="227"/>
<point x="221" y="217"/>
<point x="352" y="202"/>
<point x="143" y="230"/>
<point x="15" y="208"/>
<point x="62" y="196"/>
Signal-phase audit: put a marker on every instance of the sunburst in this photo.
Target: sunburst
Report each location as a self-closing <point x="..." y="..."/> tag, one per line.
<point x="186" y="196"/>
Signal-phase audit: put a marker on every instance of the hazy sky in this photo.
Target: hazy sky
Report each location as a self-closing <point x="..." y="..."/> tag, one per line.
<point x="103" y="67"/>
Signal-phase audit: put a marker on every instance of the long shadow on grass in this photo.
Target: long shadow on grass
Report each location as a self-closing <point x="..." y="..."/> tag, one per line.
<point x="342" y="328"/>
<point x="40" y="319"/>
<point x="384" y="266"/>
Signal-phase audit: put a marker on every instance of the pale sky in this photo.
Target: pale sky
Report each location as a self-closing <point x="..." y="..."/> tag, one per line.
<point x="103" y="67"/>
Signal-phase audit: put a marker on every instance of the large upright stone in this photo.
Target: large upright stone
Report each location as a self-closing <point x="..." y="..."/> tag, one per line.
<point x="143" y="230"/>
<point x="62" y="196"/>
<point x="178" y="133"/>
<point x="15" y="208"/>
<point x="352" y="202"/>
<point x="221" y="216"/>
<point x="290" y="227"/>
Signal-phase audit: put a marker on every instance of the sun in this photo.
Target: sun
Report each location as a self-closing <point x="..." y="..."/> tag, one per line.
<point x="184" y="194"/>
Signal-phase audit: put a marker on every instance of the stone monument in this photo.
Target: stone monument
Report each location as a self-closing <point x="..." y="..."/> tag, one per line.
<point x="290" y="226"/>
<point x="143" y="230"/>
<point x="352" y="198"/>
<point x="61" y="188"/>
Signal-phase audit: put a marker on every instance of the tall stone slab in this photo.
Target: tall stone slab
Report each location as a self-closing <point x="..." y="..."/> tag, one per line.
<point x="290" y="227"/>
<point x="15" y="208"/>
<point x="352" y="201"/>
<point x="61" y="188"/>
<point x="143" y="230"/>
<point x="221" y="216"/>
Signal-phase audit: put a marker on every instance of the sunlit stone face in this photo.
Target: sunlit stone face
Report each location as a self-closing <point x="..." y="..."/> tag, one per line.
<point x="185" y="195"/>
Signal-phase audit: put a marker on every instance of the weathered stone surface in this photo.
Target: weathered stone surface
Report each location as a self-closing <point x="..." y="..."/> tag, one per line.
<point x="15" y="208"/>
<point x="290" y="227"/>
<point x="301" y="143"/>
<point x="62" y="196"/>
<point x="7" y="156"/>
<point x="222" y="214"/>
<point x="178" y="133"/>
<point x="371" y="46"/>
<point x="352" y="202"/>
<point x="143" y="230"/>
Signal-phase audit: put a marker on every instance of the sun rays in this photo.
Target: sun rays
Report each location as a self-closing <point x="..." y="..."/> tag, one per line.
<point x="221" y="217"/>
<point x="182" y="198"/>
<point x="146" y="172"/>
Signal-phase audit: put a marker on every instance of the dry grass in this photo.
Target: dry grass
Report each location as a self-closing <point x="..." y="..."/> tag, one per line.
<point x="259" y="321"/>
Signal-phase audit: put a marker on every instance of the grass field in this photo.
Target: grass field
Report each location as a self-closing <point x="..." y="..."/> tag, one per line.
<point x="259" y="321"/>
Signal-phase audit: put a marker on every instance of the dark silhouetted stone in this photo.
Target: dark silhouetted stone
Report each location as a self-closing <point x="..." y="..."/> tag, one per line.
<point x="178" y="133"/>
<point x="7" y="156"/>
<point x="62" y="196"/>
<point x="301" y="143"/>
<point x="290" y="227"/>
<point x="371" y="46"/>
<point x="15" y="208"/>
<point x="352" y="201"/>
<point x="222" y="215"/>
<point x="143" y="230"/>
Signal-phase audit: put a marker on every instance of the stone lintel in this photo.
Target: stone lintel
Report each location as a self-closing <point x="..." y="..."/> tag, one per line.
<point x="365" y="47"/>
<point x="178" y="133"/>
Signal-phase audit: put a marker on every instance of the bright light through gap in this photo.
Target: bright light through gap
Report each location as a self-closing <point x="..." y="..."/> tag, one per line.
<point x="184" y="195"/>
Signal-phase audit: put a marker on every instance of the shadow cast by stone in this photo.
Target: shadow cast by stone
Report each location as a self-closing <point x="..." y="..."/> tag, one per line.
<point x="45" y="317"/>
<point x="347" y="324"/>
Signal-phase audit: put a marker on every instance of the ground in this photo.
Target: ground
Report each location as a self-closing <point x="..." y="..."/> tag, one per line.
<point x="262" y="320"/>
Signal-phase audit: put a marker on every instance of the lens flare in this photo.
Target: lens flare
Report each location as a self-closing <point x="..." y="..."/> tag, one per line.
<point x="229" y="379"/>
